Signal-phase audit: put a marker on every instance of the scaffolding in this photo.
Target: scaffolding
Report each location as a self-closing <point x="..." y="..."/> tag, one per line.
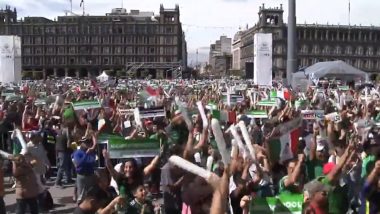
<point x="175" y="67"/>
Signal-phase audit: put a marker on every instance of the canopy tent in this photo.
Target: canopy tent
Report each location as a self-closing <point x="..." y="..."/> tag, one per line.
<point x="103" y="77"/>
<point x="335" y="69"/>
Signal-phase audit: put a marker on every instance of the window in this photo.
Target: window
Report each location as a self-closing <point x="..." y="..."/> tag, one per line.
<point x="169" y="30"/>
<point x="50" y="50"/>
<point x="61" y="60"/>
<point x="61" y="50"/>
<point x="105" y="61"/>
<point x="26" y="50"/>
<point x="61" y="40"/>
<point x="129" y="50"/>
<point x="118" y="50"/>
<point x="72" y="50"/>
<point x="95" y="50"/>
<point x="106" y="50"/>
<point x="168" y="41"/>
<point x="38" y="51"/>
<point x="72" y="61"/>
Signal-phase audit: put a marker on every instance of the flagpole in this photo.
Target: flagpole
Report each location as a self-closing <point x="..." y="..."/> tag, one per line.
<point x="349" y="13"/>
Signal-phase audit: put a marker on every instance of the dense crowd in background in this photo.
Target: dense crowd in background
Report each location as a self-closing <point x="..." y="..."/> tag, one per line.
<point x="223" y="146"/>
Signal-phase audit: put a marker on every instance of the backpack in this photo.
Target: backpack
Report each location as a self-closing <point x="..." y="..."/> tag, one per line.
<point x="45" y="200"/>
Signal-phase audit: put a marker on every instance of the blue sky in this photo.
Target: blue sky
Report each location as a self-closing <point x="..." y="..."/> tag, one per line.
<point x="205" y="20"/>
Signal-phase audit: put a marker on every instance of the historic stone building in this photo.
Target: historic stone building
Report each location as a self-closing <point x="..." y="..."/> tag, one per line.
<point x="140" y="43"/>
<point x="356" y="45"/>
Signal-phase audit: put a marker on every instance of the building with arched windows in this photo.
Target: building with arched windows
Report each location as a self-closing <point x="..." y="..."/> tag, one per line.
<point x="356" y="45"/>
<point x="75" y="45"/>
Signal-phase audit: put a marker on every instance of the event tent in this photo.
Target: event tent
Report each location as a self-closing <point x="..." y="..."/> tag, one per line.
<point x="335" y="69"/>
<point x="103" y="77"/>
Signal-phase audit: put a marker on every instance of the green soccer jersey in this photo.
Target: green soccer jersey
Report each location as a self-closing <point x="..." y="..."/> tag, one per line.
<point x="134" y="207"/>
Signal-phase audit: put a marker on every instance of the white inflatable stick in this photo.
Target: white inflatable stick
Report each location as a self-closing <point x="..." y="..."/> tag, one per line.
<point x="185" y="115"/>
<point x="203" y="114"/>
<point x="247" y="139"/>
<point x="4" y="155"/>
<point x="236" y="136"/>
<point x="190" y="167"/>
<point x="22" y="141"/>
<point x="220" y="141"/>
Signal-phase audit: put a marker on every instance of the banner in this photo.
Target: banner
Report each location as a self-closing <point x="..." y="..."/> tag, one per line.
<point x="313" y="114"/>
<point x="257" y="114"/>
<point x="118" y="147"/>
<point x="267" y="103"/>
<point x="263" y="59"/>
<point x="151" y="112"/>
<point x="89" y="104"/>
<point x="234" y="99"/>
<point x="289" y="204"/>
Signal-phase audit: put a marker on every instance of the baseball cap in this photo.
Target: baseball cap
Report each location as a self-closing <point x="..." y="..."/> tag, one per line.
<point x="328" y="167"/>
<point x="321" y="143"/>
<point x="315" y="186"/>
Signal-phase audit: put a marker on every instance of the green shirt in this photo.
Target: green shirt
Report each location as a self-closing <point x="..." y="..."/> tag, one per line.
<point x="292" y="189"/>
<point x="368" y="164"/>
<point x="135" y="207"/>
<point x="338" y="197"/>
<point x="314" y="169"/>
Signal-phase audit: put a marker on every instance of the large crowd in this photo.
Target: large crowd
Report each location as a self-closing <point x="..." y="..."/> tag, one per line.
<point x="188" y="146"/>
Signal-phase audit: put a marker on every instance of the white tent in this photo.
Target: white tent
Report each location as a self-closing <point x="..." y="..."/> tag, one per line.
<point x="103" y="77"/>
<point x="335" y="69"/>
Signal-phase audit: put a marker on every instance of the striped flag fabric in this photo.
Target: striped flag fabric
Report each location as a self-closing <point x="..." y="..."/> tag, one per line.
<point x="285" y="147"/>
<point x="283" y="94"/>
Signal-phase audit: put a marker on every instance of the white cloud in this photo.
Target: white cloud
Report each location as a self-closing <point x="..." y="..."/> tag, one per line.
<point x="214" y="13"/>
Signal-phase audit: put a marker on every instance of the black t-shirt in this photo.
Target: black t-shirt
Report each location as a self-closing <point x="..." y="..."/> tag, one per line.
<point x="62" y="141"/>
<point x="78" y="210"/>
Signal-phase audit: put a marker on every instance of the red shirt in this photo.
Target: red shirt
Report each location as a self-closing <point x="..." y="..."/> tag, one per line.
<point x="316" y="209"/>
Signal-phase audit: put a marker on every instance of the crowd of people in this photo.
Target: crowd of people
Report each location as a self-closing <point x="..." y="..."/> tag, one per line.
<point x="187" y="146"/>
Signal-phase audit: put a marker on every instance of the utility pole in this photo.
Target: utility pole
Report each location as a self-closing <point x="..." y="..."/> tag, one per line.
<point x="291" y="65"/>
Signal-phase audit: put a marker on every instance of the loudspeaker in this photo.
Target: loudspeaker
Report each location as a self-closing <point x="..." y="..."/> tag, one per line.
<point x="249" y="70"/>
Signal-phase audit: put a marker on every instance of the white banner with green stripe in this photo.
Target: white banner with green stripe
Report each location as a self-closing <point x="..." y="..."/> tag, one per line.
<point x="270" y="103"/>
<point x="289" y="204"/>
<point x="257" y="114"/>
<point x="88" y="104"/>
<point x="118" y="147"/>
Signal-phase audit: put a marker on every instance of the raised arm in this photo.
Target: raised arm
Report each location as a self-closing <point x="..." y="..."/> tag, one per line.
<point x="334" y="175"/>
<point x="109" y="166"/>
<point x="292" y="179"/>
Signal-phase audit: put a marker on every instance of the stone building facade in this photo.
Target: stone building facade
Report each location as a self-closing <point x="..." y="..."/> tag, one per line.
<point x="356" y="45"/>
<point x="139" y="42"/>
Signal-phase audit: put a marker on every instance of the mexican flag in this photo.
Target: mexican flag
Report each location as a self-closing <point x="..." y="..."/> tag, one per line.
<point x="283" y="94"/>
<point x="148" y="94"/>
<point x="285" y="146"/>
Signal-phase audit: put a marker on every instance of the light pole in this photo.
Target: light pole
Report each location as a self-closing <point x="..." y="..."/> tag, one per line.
<point x="291" y="64"/>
